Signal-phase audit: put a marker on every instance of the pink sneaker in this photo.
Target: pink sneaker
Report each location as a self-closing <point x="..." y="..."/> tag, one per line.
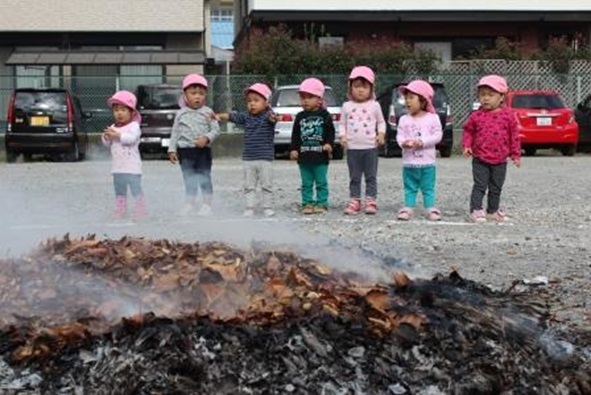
<point x="353" y="208"/>
<point x="498" y="216"/>
<point x="477" y="216"/>
<point x="371" y="207"/>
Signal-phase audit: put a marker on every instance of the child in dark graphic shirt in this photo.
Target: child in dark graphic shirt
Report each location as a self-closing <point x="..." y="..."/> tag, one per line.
<point x="312" y="141"/>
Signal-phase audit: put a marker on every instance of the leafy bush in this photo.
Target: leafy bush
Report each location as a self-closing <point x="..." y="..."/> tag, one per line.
<point x="278" y="52"/>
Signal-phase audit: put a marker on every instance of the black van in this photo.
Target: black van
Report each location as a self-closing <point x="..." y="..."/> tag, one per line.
<point x="158" y="105"/>
<point x="393" y="107"/>
<point x="45" y="121"/>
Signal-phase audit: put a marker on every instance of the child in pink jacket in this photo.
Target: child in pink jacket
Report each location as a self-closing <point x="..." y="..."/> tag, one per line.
<point x="418" y="133"/>
<point x="123" y="137"/>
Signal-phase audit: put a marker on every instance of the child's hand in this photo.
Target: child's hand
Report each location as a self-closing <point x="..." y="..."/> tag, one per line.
<point x="343" y="141"/>
<point x="417" y="144"/>
<point x="467" y="152"/>
<point x="408" y="144"/>
<point x="173" y="158"/>
<point x="201" y="142"/>
<point x="215" y="117"/>
<point x="293" y="155"/>
<point x="517" y="162"/>
<point x="111" y="133"/>
<point x="273" y="118"/>
<point x="381" y="139"/>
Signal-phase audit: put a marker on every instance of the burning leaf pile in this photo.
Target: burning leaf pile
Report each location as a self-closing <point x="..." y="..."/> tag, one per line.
<point x="139" y="316"/>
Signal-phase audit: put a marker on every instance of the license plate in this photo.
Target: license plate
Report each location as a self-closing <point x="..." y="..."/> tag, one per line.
<point x="150" y="140"/>
<point x="543" y="121"/>
<point x="165" y="142"/>
<point x="39" y="121"/>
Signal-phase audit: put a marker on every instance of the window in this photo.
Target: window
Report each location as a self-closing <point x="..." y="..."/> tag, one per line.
<point x="537" y="101"/>
<point x="222" y="15"/>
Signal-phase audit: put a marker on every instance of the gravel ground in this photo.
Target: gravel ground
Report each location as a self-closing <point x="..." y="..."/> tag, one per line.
<point x="547" y="200"/>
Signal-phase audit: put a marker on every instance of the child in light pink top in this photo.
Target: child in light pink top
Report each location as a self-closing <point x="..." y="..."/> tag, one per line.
<point x="123" y="138"/>
<point x="418" y="133"/>
<point x="362" y="128"/>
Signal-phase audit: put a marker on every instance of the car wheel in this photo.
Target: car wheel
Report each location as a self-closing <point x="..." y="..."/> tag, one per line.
<point x="568" y="151"/>
<point x="74" y="154"/>
<point x="11" y="156"/>
<point x="530" y="151"/>
<point x="445" y="152"/>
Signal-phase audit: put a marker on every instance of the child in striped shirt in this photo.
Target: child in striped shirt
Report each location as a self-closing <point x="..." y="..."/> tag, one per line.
<point x="259" y="149"/>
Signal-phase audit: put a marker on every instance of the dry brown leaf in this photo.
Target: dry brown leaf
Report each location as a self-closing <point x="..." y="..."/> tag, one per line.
<point x="166" y="282"/>
<point x="378" y="299"/>
<point x="401" y="280"/>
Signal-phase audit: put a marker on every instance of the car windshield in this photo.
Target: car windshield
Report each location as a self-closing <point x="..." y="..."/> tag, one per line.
<point x="159" y="97"/>
<point x="50" y="103"/>
<point x="537" y="101"/>
<point x="291" y="98"/>
<point x="439" y="98"/>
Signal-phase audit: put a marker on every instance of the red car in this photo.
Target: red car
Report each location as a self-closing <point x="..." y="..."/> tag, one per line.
<point x="544" y="121"/>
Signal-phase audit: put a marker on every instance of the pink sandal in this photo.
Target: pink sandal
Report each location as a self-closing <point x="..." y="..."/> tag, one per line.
<point x="404" y="213"/>
<point x="434" y="214"/>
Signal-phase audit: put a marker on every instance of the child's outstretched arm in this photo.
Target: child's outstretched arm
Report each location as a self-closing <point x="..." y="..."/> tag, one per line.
<point x="221" y="117"/>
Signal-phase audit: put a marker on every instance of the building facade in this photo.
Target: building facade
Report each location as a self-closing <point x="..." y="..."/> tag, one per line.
<point x="96" y="47"/>
<point x="453" y="29"/>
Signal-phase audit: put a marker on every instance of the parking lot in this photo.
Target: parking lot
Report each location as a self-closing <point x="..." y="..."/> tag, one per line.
<point x="547" y="200"/>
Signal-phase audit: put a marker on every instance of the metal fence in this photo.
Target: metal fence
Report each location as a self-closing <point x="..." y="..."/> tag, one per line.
<point x="225" y="92"/>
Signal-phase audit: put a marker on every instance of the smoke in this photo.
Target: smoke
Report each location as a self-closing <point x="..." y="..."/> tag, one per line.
<point x="40" y="200"/>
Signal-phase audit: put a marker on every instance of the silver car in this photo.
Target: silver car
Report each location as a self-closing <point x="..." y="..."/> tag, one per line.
<point x="286" y="104"/>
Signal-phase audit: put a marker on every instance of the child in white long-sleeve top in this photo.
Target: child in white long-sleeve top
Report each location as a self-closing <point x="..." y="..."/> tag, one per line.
<point x="418" y="133"/>
<point x="123" y="137"/>
<point x="362" y="128"/>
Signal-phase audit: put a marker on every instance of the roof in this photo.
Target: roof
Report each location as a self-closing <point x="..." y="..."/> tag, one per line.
<point x="105" y="57"/>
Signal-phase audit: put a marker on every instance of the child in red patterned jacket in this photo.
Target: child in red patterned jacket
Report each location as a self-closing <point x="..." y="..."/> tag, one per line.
<point x="490" y="137"/>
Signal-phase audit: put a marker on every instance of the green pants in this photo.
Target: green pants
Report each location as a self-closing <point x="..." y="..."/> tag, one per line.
<point x="314" y="176"/>
<point x="419" y="179"/>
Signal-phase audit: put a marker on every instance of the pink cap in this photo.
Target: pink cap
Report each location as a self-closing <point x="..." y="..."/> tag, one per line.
<point x="312" y="86"/>
<point x="495" y="82"/>
<point x="127" y="99"/>
<point x="194" y="79"/>
<point x="191" y="79"/>
<point x="261" y="89"/>
<point x="363" y="72"/>
<point x="423" y="89"/>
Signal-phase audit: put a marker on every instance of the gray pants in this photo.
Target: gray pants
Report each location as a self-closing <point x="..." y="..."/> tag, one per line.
<point x="258" y="173"/>
<point x="363" y="163"/>
<point x="491" y="177"/>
